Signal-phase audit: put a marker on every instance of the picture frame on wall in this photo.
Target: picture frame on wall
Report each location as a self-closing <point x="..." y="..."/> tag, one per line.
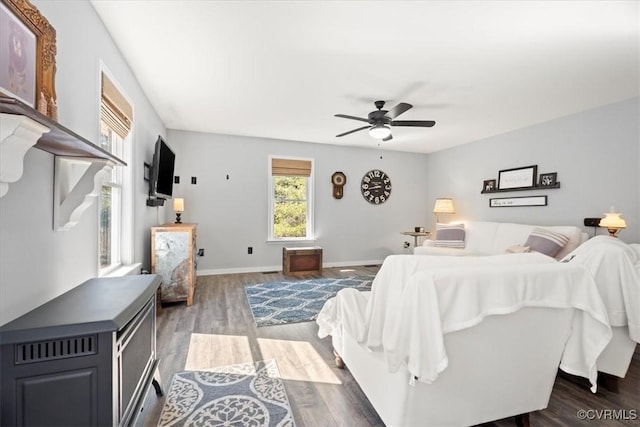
<point x="548" y="179"/>
<point x="523" y="177"/>
<point x="511" y="202"/>
<point x="27" y="55"/>
<point x="489" y="185"/>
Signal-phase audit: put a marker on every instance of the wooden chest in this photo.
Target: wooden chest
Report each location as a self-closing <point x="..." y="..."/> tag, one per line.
<point x="301" y="260"/>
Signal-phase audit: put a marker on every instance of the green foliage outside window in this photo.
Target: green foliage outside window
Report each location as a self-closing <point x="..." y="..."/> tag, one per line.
<point x="105" y="226"/>
<point x="290" y="210"/>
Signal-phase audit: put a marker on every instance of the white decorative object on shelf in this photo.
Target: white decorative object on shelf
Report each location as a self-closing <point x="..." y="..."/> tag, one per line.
<point x="17" y="134"/>
<point x="77" y="182"/>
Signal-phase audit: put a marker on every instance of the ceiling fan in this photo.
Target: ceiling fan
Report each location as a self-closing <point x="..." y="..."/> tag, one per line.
<point x="379" y="121"/>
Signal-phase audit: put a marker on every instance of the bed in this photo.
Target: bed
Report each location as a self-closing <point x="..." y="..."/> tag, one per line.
<point x="454" y="341"/>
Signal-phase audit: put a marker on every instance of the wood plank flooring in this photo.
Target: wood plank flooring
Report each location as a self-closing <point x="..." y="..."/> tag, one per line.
<point x="218" y="329"/>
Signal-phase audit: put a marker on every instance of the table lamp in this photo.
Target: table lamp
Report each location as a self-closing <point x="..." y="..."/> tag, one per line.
<point x="178" y="207"/>
<point x="443" y="205"/>
<point x="612" y="222"/>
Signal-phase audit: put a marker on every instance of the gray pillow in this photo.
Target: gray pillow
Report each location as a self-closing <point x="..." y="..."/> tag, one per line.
<point x="546" y="242"/>
<point x="450" y="236"/>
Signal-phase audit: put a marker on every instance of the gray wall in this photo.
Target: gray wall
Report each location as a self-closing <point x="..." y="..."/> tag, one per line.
<point x="37" y="263"/>
<point x="232" y="214"/>
<point x="596" y="155"/>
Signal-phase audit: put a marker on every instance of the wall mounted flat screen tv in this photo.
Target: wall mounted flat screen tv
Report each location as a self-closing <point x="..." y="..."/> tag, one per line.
<point x="161" y="179"/>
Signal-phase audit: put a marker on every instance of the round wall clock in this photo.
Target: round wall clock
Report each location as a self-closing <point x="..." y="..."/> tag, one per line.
<point x="375" y="187"/>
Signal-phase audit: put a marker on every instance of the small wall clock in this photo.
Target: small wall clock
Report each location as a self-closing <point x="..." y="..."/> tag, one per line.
<point x="338" y="179"/>
<point x="375" y="187"/>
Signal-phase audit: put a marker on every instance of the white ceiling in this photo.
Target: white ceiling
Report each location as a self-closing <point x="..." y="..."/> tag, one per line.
<point x="282" y="69"/>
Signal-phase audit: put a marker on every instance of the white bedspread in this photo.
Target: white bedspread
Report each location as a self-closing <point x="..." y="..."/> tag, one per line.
<point x="615" y="267"/>
<point x="415" y="300"/>
<point x="396" y="271"/>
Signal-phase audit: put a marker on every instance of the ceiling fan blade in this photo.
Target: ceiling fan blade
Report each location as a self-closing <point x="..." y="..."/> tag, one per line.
<point x="416" y="123"/>
<point x="398" y="109"/>
<point x="352" y="131"/>
<point x="389" y="138"/>
<point x="344" y="116"/>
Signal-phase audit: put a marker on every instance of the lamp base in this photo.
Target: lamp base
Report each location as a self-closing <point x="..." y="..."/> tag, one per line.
<point x="178" y="220"/>
<point x="613" y="232"/>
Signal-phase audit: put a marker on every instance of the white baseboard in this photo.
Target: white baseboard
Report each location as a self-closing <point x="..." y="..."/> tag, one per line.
<point x="352" y="263"/>
<point x="237" y="270"/>
<point x="262" y="269"/>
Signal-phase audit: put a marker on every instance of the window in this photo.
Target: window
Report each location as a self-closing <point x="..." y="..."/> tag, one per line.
<point x="115" y="124"/>
<point x="291" y="199"/>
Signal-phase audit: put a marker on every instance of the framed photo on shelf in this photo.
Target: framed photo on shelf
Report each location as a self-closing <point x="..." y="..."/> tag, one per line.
<point x="524" y="177"/>
<point x="27" y="54"/>
<point x="548" y="179"/>
<point x="509" y="202"/>
<point x="18" y="58"/>
<point x="489" y="185"/>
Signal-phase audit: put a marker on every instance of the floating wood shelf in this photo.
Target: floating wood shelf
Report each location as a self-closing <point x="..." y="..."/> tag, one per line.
<point x="59" y="140"/>
<point x="537" y="187"/>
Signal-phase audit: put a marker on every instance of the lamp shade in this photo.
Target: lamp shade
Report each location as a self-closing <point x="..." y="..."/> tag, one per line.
<point x="379" y="131"/>
<point x="613" y="220"/>
<point x="178" y="205"/>
<point x="444" y="206"/>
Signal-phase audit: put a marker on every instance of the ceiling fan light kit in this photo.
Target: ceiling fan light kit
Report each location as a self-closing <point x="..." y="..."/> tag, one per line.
<point x="379" y="121"/>
<point x="380" y="131"/>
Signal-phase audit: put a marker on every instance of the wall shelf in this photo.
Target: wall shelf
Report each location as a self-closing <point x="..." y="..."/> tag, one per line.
<point x="80" y="166"/>
<point x="537" y="187"/>
<point x="59" y="140"/>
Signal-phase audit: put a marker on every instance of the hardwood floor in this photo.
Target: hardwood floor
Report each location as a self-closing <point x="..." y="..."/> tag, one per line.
<point x="218" y="329"/>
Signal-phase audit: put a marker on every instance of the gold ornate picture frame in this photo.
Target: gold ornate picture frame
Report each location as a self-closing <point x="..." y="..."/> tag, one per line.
<point x="45" y="52"/>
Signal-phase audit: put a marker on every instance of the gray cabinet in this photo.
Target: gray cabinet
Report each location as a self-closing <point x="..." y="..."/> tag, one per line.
<point x="173" y="257"/>
<point x="85" y="358"/>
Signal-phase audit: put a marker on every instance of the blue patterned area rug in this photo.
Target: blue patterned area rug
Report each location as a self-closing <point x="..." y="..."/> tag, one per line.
<point x="244" y="395"/>
<point x="278" y="303"/>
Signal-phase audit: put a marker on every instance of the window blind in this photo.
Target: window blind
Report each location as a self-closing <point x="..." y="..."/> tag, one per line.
<point x="114" y="108"/>
<point x="290" y="167"/>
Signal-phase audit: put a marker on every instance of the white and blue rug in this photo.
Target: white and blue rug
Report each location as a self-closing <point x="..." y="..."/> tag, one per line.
<point x="278" y="303"/>
<point x="244" y="395"/>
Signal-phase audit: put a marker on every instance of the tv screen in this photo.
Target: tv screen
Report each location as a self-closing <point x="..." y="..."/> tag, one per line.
<point x="162" y="170"/>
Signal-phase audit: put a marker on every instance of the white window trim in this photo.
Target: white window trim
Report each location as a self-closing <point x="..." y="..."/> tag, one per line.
<point x="310" y="203"/>
<point x="125" y="250"/>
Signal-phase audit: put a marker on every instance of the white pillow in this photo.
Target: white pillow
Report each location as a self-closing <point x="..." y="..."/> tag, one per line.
<point x="517" y="249"/>
<point x="450" y="236"/>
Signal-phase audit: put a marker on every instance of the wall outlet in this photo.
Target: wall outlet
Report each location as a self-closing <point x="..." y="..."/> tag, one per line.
<point x="176" y="179"/>
<point x="194" y="180"/>
<point x="250" y="250"/>
<point x="200" y="252"/>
